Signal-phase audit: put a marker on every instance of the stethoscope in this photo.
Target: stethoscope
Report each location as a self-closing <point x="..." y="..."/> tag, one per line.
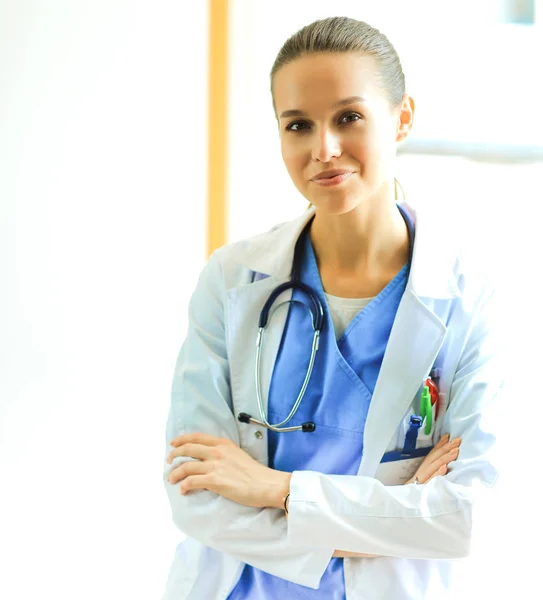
<point x="317" y="317"/>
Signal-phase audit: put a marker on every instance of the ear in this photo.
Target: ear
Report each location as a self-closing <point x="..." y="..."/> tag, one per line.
<point x="405" y="118"/>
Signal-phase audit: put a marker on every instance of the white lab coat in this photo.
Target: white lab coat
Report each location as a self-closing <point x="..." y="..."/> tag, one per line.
<point x="446" y="318"/>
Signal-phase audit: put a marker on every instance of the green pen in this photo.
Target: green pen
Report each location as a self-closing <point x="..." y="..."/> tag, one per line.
<point x="426" y="409"/>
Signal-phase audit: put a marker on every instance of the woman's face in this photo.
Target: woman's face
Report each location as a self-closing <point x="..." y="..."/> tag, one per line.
<point x="333" y="115"/>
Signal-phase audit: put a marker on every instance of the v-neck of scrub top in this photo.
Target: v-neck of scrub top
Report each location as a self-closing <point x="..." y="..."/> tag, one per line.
<point x="337" y="400"/>
<point x="344" y="375"/>
<point x="343" y="310"/>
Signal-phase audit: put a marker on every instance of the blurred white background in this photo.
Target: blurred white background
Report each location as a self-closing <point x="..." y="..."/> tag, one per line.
<point x="103" y="203"/>
<point x="103" y="218"/>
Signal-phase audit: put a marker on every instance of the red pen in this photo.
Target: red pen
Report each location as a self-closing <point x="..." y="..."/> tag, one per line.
<point x="434" y="393"/>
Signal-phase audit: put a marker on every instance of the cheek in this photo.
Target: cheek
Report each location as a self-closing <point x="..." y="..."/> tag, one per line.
<point x="382" y="147"/>
<point x="369" y="154"/>
<point x="294" y="159"/>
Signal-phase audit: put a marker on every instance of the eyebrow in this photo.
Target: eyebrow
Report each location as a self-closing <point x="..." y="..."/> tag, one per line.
<point x="300" y="113"/>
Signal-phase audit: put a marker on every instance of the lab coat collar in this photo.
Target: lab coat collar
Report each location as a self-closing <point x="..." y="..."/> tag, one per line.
<point x="432" y="271"/>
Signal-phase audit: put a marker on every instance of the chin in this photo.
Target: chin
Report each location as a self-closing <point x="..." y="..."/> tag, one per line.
<point x="334" y="206"/>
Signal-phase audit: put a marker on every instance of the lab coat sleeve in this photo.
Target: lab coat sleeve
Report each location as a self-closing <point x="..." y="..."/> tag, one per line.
<point x="201" y="402"/>
<point x="431" y="521"/>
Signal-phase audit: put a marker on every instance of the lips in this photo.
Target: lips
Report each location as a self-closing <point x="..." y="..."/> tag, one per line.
<point x="331" y="179"/>
<point x="331" y="174"/>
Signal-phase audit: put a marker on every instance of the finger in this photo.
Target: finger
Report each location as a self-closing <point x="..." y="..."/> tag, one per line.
<point x="443" y="441"/>
<point x="435" y="456"/>
<point x="197" y="438"/>
<point x="197" y="482"/>
<point x="441" y="445"/>
<point x="193" y="451"/>
<point x="442" y="461"/>
<point x="191" y="468"/>
<point x="450" y="456"/>
<point x="453" y="454"/>
<point x="440" y="472"/>
<point x="429" y="467"/>
<point x="438" y="452"/>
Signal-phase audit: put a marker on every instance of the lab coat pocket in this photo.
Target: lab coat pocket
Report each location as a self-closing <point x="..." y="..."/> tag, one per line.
<point x="399" y="465"/>
<point x="396" y="468"/>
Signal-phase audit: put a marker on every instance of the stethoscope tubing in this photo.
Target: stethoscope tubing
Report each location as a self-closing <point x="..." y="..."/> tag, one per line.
<point x="317" y="321"/>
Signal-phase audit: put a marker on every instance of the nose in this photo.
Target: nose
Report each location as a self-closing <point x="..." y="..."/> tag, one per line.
<point x="326" y="145"/>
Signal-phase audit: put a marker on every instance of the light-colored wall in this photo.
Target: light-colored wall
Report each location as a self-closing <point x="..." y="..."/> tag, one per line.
<point x="102" y="235"/>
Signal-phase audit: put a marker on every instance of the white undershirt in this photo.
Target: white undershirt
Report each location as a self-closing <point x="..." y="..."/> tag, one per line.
<point x="343" y="311"/>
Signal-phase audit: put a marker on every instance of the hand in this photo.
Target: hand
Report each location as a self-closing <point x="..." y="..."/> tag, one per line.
<point x="436" y="462"/>
<point x="224" y="468"/>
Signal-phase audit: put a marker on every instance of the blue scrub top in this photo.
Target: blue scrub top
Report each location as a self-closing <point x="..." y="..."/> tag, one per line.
<point x="337" y="400"/>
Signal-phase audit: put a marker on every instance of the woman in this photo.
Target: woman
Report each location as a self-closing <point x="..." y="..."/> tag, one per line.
<point x="406" y="362"/>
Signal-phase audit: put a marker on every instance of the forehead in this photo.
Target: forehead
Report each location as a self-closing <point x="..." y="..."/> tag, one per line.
<point x="318" y="81"/>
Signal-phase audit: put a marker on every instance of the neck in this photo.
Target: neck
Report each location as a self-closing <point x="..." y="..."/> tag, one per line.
<point x="370" y="239"/>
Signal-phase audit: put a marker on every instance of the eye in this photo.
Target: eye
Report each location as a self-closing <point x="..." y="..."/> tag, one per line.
<point x="350" y="117"/>
<point x="297" y="126"/>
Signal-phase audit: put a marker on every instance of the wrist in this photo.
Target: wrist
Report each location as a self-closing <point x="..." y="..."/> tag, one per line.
<point x="281" y="490"/>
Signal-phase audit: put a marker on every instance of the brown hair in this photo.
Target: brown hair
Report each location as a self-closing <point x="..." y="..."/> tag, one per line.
<point x="343" y="34"/>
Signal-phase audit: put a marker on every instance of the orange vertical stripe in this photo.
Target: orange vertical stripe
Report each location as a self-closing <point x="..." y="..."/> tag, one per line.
<point x="217" y="176"/>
